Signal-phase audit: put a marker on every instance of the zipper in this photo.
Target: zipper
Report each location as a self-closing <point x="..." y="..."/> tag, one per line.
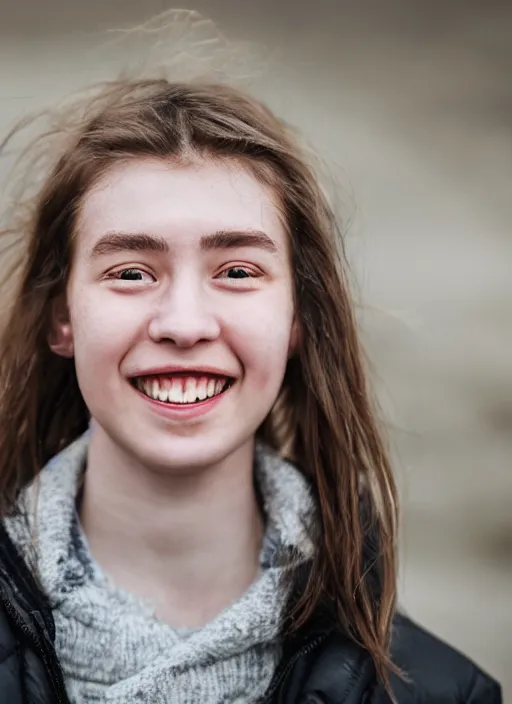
<point x="284" y="670"/>
<point x="24" y="593"/>
<point x="52" y="670"/>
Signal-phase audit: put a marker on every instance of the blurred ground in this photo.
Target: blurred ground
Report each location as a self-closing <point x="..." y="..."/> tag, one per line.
<point x="411" y="102"/>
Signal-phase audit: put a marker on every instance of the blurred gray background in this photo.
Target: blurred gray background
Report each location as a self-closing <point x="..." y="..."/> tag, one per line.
<point x="410" y="104"/>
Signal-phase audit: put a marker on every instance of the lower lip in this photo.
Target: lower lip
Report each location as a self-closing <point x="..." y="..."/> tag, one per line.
<point x="183" y="411"/>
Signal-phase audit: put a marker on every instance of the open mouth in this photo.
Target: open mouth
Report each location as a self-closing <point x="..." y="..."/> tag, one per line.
<point x="183" y="389"/>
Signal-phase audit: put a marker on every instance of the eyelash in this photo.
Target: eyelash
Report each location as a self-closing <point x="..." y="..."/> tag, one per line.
<point x="250" y="274"/>
<point x="116" y="275"/>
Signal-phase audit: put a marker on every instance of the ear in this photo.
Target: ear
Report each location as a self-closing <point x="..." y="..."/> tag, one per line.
<point x="60" y="338"/>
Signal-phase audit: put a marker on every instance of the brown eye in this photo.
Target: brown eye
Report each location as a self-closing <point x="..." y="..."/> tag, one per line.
<point x="130" y="275"/>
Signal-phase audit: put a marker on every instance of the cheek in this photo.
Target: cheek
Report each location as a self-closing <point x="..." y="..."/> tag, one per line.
<point x="101" y="334"/>
<point x="261" y="339"/>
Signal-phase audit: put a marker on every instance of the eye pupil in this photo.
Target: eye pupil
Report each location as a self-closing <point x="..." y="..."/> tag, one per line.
<point x="237" y="273"/>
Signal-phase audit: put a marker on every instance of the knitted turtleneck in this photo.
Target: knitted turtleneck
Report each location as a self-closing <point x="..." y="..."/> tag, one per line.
<point x="112" y="647"/>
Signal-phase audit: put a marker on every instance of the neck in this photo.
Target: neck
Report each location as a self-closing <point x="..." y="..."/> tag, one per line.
<point x="188" y="544"/>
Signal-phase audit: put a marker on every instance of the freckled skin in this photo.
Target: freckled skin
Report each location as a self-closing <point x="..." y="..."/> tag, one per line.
<point x="181" y="307"/>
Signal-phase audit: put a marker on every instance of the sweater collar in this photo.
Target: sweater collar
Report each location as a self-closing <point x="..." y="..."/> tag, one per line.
<point x="48" y="534"/>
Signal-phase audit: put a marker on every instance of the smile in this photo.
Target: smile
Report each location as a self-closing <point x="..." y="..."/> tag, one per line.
<point x="182" y="389"/>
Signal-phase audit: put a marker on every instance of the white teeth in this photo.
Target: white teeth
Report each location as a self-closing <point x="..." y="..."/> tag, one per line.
<point x="176" y="392"/>
<point x="185" y="390"/>
<point x="201" y="389"/>
<point x="190" y="390"/>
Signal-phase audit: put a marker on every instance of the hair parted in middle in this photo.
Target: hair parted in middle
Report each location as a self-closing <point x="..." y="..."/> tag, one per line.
<point x="324" y="419"/>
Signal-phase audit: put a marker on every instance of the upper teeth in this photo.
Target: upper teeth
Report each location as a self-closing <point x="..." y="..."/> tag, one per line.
<point x="180" y="389"/>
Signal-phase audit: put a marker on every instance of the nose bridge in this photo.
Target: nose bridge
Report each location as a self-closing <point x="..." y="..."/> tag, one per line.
<point x="184" y="312"/>
<point x="185" y="292"/>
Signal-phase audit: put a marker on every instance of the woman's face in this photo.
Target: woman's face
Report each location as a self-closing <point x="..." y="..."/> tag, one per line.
<point x="180" y="308"/>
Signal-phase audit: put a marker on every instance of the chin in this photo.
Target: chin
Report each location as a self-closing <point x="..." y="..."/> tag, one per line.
<point x="186" y="456"/>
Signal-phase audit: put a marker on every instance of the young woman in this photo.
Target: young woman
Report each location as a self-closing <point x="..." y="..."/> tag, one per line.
<point x="197" y="503"/>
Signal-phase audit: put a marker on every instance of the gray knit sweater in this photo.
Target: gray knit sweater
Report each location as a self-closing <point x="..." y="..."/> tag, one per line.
<point x="112" y="647"/>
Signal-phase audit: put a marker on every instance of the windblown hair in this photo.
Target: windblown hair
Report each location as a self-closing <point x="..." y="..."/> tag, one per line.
<point x="324" y="418"/>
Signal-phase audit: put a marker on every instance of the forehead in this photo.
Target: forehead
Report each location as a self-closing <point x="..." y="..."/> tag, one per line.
<point x="178" y="202"/>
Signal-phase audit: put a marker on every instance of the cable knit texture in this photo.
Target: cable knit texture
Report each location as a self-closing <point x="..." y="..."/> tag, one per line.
<point x="112" y="647"/>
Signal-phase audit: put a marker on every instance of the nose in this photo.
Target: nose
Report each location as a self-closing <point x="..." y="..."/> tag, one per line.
<point x="184" y="316"/>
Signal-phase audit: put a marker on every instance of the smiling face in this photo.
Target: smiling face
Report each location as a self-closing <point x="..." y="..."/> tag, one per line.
<point x="180" y="310"/>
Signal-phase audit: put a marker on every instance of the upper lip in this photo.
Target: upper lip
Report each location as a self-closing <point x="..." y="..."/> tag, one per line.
<point x="170" y="369"/>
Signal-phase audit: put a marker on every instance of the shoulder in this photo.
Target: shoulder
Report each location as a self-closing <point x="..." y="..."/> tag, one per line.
<point x="340" y="672"/>
<point x="434" y="671"/>
<point x="26" y="632"/>
<point x="10" y="665"/>
<point x="23" y="675"/>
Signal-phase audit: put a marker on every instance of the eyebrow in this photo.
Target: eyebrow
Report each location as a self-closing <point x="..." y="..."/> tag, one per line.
<point x="231" y="239"/>
<point x="112" y="242"/>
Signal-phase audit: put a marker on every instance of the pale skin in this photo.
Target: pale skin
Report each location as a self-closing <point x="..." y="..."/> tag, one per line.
<point x="169" y="506"/>
<point x="188" y="545"/>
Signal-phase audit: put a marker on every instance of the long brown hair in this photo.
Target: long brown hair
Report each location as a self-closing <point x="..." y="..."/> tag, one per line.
<point x="324" y="419"/>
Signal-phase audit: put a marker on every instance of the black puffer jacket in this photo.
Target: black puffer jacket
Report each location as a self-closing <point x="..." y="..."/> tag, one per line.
<point x="336" y="671"/>
<point x="319" y="666"/>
